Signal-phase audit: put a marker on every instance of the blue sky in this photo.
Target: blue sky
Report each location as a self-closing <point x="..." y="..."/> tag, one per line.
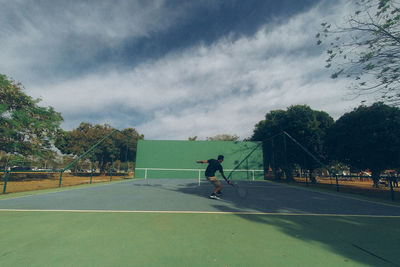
<point x="172" y="69"/>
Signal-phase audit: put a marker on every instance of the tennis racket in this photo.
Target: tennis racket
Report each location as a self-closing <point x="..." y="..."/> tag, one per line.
<point x="241" y="192"/>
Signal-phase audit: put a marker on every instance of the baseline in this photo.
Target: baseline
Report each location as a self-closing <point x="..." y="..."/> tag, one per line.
<point x="202" y="212"/>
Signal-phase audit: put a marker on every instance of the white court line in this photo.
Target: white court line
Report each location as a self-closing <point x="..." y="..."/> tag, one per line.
<point x="201" y="212"/>
<point x="293" y="186"/>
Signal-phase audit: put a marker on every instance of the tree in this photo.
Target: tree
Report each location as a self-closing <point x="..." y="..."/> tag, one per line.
<point x="223" y="137"/>
<point x="120" y="146"/>
<point x="25" y="127"/>
<point x="367" y="48"/>
<point x="308" y="127"/>
<point x="49" y="160"/>
<point x="367" y="137"/>
<point x="127" y="142"/>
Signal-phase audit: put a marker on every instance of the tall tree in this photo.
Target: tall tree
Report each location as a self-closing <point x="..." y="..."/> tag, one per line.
<point x="367" y="47"/>
<point x="127" y="143"/>
<point x="307" y="126"/>
<point x="25" y="127"/>
<point x="120" y="146"/>
<point x="367" y="137"/>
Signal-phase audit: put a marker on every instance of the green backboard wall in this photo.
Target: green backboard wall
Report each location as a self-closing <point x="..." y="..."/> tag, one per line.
<point x="177" y="159"/>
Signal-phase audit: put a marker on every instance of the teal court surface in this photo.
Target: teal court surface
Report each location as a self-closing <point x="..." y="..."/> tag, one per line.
<point x="172" y="222"/>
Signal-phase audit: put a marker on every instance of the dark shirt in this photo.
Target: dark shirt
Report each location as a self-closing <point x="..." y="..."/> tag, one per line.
<point x="213" y="166"/>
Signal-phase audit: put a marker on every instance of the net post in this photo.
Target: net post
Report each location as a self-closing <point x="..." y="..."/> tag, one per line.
<point x="145" y="173"/>
<point x="253" y="174"/>
<point x="5" y="181"/>
<point x="199" y="176"/>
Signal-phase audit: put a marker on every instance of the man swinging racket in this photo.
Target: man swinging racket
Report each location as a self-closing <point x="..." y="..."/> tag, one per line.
<point x="213" y="166"/>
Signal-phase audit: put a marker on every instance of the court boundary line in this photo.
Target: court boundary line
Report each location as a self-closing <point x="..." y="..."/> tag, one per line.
<point x="201" y="212"/>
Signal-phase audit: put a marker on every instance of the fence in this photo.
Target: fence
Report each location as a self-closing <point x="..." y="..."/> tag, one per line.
<point x="20" y="181"/>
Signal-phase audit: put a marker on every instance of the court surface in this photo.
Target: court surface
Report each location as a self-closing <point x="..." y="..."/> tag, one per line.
<point x="172" y="222"/>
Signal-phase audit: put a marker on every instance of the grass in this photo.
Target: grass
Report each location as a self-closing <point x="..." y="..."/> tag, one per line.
<point x="52" y="181"/>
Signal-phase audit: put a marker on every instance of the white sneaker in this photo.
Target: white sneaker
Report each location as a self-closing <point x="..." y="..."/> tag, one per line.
<point x="213" y="196"/>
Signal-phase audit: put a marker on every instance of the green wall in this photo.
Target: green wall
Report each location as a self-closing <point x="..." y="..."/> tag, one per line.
<point x="174" y="154"/>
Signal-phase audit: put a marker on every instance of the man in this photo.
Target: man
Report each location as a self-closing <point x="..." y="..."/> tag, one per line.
<point x="213" y="166"/>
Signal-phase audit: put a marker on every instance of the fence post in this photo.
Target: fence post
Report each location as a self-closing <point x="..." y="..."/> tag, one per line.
<point x="5" y="182"/>
<point x="60" y="182"/>
<point x="391" y="188"/>
<point x="337" y="183"/>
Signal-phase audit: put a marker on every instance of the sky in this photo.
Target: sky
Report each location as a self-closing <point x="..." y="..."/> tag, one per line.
<point x="172" y="69"/>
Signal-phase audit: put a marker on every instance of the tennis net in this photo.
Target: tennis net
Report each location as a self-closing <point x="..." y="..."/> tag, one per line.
<point x="237" y="174"/>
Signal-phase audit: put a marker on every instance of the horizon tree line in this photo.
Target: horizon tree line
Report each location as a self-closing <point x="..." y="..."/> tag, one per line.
<point x="367" y="137"/>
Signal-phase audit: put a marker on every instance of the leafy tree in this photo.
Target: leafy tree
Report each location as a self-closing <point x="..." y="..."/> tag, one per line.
<point x="308" y="127"/>
<point x="25" y="127"/>
<point x="121" y="146"/>
<point x="48" y="160"/>
<point x="366" y="47"/>
<point x="127" y="143"/>
<point x="223" y="137"/>
<point x="20" y="161"/>
<point x="66" y="160"/>
<point x="367" y="137"/>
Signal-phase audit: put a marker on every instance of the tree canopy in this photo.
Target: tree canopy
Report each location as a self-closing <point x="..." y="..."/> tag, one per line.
<point x="121" y="146"/>
<point x="305" y="125"/>
<point x="25" y="127"/>
<point x="367" y="137"/>
<point x="366" y="47"/>
<point x="223" y="137"/>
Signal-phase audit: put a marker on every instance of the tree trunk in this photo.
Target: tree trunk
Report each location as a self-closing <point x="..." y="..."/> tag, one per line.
<point x="289" y="175"/>
<point x="278" y="175"/>
<point x="103" y="166"/>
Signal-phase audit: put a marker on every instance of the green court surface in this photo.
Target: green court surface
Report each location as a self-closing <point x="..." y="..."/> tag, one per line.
<point x="172" y="222"/>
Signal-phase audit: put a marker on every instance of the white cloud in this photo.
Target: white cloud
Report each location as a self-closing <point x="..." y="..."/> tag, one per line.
<point x="43" y="37"/>
<point x="226" y="87"/>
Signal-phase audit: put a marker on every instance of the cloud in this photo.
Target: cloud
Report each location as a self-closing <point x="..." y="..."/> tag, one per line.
<point x="56" y="38"/>
<point x="203" y="90"/>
